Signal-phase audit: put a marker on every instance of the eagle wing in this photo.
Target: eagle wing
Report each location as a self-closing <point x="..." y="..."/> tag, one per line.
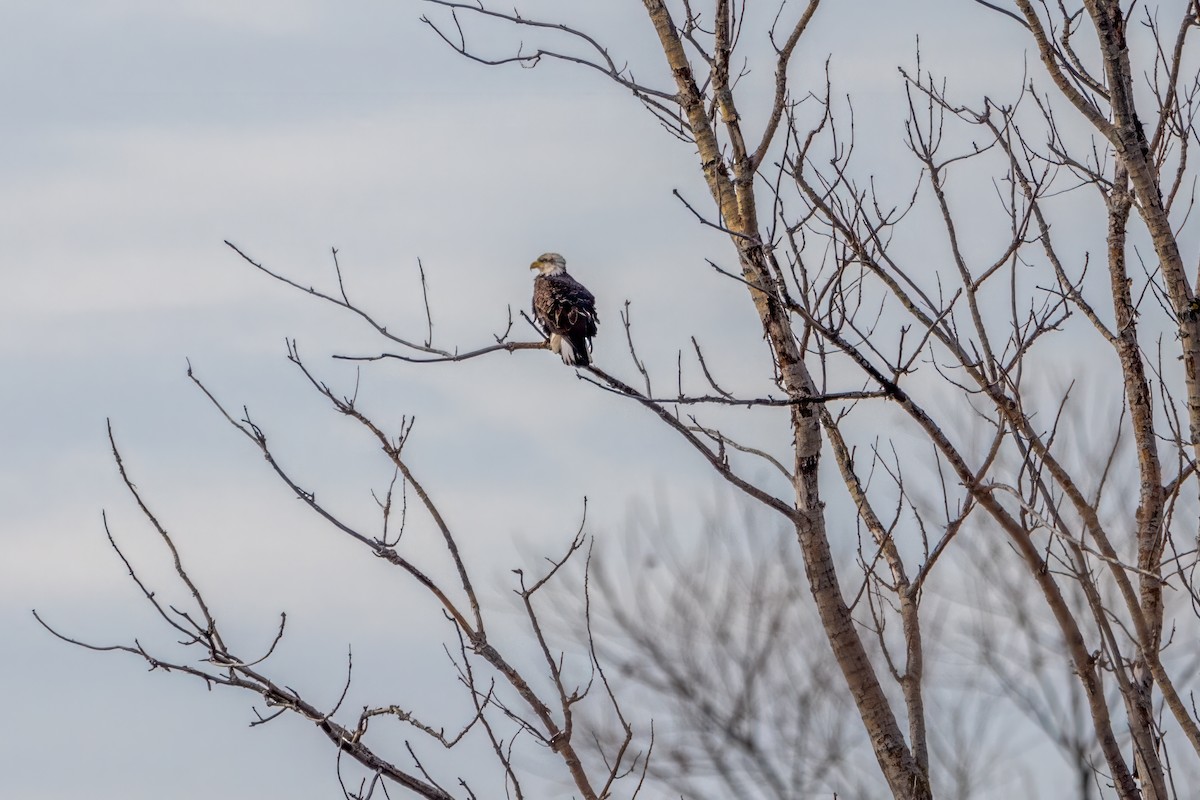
<point x="565" y="308"/>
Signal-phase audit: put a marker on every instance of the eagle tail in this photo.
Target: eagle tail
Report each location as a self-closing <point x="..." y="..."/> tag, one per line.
<point x="574" y="352"/>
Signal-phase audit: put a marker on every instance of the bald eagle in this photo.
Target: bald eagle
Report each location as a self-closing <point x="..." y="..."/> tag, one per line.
<point x="565" y="310"/>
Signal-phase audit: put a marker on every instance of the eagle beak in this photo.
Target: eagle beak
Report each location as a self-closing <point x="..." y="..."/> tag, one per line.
<point x="534" y="265"/>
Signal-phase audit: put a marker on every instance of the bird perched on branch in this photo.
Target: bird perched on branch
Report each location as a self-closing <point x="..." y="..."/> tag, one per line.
<point x="564" y="309"/>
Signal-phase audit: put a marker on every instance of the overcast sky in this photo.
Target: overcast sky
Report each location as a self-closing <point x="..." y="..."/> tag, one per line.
<point x="136" y="137"/>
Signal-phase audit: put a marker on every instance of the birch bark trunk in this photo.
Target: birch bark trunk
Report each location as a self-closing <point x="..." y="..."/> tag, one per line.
<point x="734" y="196"/>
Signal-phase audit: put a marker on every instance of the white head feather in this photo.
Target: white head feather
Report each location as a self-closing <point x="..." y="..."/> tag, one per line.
<point x="550" y="264"/>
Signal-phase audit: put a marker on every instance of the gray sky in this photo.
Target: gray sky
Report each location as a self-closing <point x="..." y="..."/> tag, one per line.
<point x="136" y="136"/>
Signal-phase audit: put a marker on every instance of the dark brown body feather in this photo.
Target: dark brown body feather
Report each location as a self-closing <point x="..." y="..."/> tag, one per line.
<point x="564" y="307"/>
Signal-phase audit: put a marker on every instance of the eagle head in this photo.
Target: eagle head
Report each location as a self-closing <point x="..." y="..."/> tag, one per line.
<point x="549" y="264"/>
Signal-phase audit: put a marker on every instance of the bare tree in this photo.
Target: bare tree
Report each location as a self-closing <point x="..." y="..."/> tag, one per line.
<point x="509" y="707"/>
<point x="890" y="317"/>
<point x="713" y="637"/>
